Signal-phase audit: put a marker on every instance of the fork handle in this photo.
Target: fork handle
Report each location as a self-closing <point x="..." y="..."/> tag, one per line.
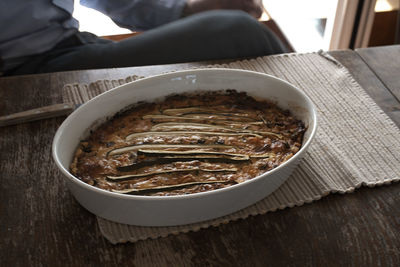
<point x="37" y="114"/>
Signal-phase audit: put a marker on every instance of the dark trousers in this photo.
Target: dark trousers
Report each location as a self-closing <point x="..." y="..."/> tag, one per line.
<point x="204" y="36"/>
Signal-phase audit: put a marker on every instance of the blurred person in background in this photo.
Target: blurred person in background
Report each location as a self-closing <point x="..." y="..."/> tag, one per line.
<point x="41" y="36"/>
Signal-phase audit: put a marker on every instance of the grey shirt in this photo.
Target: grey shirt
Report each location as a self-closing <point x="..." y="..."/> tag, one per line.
<point x="36" y="26"/>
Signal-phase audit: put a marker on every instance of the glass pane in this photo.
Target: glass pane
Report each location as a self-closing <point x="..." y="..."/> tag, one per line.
<point x="303" y="22"/>
<point x="93" y="21"/>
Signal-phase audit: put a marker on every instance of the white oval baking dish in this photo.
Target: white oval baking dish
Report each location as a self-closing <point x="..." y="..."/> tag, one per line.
<point x="182" y="209"/>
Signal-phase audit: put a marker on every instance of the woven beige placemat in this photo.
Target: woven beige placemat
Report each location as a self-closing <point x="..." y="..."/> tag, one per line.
<point x="356" y="142"/>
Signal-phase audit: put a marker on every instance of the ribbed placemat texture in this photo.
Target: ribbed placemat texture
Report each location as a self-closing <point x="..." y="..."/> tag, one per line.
<point x="356" y="142"/>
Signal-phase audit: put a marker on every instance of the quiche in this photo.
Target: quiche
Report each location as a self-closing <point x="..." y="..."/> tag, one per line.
<point x="188" y="143"/>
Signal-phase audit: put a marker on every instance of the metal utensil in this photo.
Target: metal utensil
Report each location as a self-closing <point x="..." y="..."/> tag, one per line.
<point x="46" y="112"/>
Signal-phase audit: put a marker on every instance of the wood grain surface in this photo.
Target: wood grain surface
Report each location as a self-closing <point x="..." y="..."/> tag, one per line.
<point x="375" y="86"/>
<point x="385" y="65"/>
<point x="42" y="225"/>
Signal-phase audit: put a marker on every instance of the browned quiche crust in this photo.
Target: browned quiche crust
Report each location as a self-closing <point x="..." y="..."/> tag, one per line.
<point x="188" y="143"/>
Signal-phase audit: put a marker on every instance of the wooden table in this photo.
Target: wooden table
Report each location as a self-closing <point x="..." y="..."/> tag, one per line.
<point x="42" y="225"/>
